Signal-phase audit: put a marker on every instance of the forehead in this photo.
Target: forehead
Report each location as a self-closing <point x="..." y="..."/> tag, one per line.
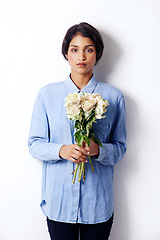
<point x="80" y="40"/>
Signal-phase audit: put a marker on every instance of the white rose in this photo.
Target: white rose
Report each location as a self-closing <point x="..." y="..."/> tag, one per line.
<point x="88" y="103"/>
<point x="73" y="105"/>
<point x="74" y="98"/>
<point x="73" y="111"/>
<point x="96" y="95"/>
<point x="101" y="107"/>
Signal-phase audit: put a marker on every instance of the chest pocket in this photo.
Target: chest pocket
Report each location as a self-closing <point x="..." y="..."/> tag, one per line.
<point x="102" y="131"/>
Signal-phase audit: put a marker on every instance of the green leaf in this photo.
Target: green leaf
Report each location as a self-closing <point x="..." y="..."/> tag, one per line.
<point x="77" y="131"/>
<point x="91" y="116"/>
<point x="78" y="140"/>
<point x="88" y="127"/>
<point x="87" y="140"/>
<point x="95" y="139"/>
<point x="81" y="140"/>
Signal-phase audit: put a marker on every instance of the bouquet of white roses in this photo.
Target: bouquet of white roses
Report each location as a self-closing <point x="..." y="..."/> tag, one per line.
<point x="84" y="109"/>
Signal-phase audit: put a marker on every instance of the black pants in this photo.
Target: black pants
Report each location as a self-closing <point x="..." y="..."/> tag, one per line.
<point x="69" y="231"/>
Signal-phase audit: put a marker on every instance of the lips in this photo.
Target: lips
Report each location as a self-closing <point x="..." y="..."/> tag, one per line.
<point x="81" y="65"/>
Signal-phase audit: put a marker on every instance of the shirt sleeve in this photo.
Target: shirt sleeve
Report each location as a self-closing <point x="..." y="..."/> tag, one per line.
<point x="114" y="151"/>
<point x="39" y="143"/>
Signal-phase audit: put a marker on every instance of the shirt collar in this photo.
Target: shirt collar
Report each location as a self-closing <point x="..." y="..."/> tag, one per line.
<point x="89" y="88"/>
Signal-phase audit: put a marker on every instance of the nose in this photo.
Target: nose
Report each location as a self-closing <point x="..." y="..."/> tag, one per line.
<point x="81" y="56"/>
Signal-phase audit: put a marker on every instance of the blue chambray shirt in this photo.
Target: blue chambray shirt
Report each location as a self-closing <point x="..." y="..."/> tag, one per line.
<point x="85" y="202"/>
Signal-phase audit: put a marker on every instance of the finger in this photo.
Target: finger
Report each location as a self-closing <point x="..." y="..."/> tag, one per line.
<point x="79" y="156"/>
<point x="85" y="145"/>
<point x="81" y="149"/>
<point x="87" y="149"/>
<point x="80" y="153"/>
<point x="72" y="159"/>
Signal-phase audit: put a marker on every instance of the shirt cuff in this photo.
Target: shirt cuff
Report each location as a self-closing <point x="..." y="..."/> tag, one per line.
<point x="56" y="151"/>
<point x="106" y="155"/>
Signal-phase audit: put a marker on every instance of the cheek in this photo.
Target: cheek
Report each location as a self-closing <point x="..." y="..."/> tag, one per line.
<point x="71" y="59"/>
<point x="93" y="60"/>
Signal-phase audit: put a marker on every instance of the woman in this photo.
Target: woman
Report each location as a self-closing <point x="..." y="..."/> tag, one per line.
<point x="84" y="208"/>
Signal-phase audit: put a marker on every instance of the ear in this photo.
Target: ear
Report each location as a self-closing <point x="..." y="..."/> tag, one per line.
<point x="66" y="56"/>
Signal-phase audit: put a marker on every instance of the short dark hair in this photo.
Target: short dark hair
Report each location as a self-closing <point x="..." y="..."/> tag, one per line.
<point x="86" y="30"/>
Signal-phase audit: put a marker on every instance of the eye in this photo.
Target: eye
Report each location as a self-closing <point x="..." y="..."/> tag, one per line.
<point x="89" y="50"/>
<point x="74" y="50"/>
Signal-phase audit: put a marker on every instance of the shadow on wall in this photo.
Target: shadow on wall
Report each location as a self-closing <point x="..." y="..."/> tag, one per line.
<point x="111" y="55"/>
<point x="124" y="170"/>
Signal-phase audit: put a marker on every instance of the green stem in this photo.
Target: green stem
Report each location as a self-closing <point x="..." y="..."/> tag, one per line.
<point x="75" y="172"/>
<point x="80" y="172"/>
<point x="84" y="175"/>
<point x="91" y="163"/>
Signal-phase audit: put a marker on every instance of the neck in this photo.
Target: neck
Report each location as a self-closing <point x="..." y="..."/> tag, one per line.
<point x="81" y="80"/>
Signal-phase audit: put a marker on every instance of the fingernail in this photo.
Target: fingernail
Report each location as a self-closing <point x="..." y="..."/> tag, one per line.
<point x="87" y="152"/>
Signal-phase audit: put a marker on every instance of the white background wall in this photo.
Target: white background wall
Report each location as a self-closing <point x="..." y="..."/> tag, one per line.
<point x="31" y="34"/>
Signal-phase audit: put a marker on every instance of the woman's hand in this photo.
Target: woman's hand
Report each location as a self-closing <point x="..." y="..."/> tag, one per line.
<point x="77" y="154"/>
<point x="74" y="153"/>
<point x="93" y="149"/>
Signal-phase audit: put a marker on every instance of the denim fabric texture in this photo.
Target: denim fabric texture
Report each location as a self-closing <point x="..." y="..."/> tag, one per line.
<point x="86" y="202"/>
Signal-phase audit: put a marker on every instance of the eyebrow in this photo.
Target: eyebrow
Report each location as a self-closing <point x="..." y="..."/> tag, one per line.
<point x="85" y="46"/>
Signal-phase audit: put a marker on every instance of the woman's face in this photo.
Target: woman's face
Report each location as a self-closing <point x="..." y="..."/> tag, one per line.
<point x="81" y="55"/>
